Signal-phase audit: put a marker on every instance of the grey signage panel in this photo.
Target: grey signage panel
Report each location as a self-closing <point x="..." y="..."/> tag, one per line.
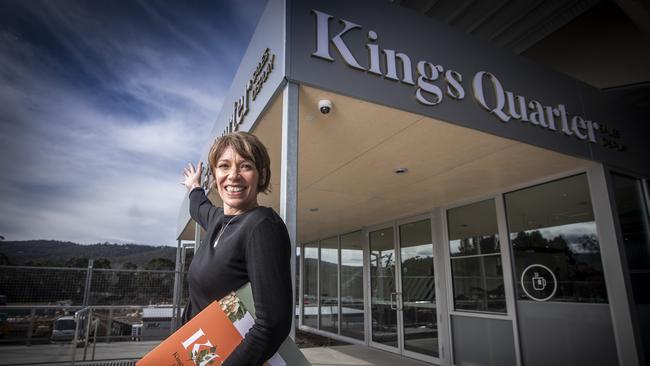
<point x="260" y="74"/>
<point x="393" y="56"/>
<point x="258" y="78"/>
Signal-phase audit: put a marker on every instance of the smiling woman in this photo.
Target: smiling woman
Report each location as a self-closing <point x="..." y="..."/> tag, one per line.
<point x="244" y="242"/>
<point x="241" y="167"/>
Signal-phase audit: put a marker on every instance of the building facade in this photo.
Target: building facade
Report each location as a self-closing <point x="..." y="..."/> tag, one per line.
<point x="449" y="200"/>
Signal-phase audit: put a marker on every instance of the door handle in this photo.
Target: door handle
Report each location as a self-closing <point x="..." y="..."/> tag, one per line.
<point x="399" y="304"/>
<point x="394" y="304"/>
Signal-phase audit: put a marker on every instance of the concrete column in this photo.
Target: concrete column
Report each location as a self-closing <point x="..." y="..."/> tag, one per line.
<point x="612" y="254"/>
<point x="438" y="230"/>
<point x="289" y="173"/>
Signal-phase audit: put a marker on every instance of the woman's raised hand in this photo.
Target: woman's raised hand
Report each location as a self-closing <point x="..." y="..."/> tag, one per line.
<point x="192" y="175"/>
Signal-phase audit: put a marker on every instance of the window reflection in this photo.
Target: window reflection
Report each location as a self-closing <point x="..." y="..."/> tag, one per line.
<point x="310" y="285"/>
<point x="474" y="245"/>
<point x="352" y="307"/>
<point x="321" y="285"/>
<point x="418" y="288"/>
<point x="553" y="225"/>
<point x="477" y="273"/>
<point x="382" y="287"/>
<point x="329" y="267"/>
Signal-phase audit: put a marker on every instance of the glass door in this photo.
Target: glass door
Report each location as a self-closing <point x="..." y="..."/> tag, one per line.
<point x="418" y="292"/>
<point x="383" y="289"/>
<point x="402" y="290"/>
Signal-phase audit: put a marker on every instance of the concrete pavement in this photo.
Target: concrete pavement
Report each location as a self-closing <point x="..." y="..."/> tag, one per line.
<point x="353" y="355"/>
<point x="348" y="355"/>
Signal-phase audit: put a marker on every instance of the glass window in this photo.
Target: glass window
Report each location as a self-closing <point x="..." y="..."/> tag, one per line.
<point x="383" y="287"/>
<point x="352" y="306"/>
<point x="329" y="293"/>
<point x="477" y="273"/>
<point x="310" y="283"/>
<point x="296" y="290"/>
<point x="553" y="225"/>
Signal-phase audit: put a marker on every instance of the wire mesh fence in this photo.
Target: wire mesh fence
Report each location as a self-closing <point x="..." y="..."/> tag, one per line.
<point x="42" y="285"/>
<point x="37" y="303"/>
<point x="36" y="299"/>
<point x="131" y="287"/>
<point x="92" y="286"/>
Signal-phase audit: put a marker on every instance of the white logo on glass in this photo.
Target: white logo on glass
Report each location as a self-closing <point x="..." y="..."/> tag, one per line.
<point x="539" y="283"/>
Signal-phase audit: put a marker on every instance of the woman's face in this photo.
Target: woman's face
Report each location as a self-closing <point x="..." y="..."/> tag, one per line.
<point x="237" y="180"/>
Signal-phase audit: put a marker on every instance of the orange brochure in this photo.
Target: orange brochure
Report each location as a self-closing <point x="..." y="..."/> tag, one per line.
<point x="214" y="333"/>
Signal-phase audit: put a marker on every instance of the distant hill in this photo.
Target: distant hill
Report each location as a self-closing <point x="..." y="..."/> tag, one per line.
<point x="56" y="253"/>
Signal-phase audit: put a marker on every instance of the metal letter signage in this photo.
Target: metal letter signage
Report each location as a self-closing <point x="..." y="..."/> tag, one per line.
<point x="500" y="103"/>
<point x="253" y="87"/>
<point x="322" y="49"/>
<point x="548" y="117"/>
<point x="488" y="90"/>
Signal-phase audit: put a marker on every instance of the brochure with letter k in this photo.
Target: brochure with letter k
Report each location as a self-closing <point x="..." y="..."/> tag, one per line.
<point x="214" y="333"/>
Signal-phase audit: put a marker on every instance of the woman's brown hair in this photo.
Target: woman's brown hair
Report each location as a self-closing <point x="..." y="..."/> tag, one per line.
<point x="250" y="148"/>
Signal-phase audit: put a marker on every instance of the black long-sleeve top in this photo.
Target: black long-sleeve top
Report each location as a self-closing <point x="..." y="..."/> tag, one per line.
<point x="253" y="247"/>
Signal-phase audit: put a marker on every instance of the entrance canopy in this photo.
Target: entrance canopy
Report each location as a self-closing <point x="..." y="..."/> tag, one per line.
<point x="348" y="162"/>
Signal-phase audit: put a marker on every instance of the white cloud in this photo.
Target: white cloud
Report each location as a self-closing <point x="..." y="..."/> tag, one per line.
<point x="165" y="139"/>
<point x="75" y="166"/>
<point x="137" y="209"/>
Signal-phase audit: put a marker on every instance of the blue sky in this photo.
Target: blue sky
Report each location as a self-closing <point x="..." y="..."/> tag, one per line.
<point x="103" y="103"/>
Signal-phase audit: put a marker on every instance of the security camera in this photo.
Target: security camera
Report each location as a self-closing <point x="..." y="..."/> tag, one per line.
<point x="325" y="106"/>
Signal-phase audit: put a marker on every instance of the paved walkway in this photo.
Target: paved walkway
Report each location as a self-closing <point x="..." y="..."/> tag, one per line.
<point x="16" y="355"/>
<point x="356" y="356"/>
<point x="349" y="355"/>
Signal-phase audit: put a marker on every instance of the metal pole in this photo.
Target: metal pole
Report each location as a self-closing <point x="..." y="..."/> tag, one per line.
<point x="109" y="326"/>
<point x="30" y="331"/>
<point x="177" y="295"/>
<point x="289" y="175"/>
<point x="95" y="339"/>
<point x="183" y="265"/>
<point x="75" y="339"/>
<point x="89" y="276"/>
<point x="87" y="335"/>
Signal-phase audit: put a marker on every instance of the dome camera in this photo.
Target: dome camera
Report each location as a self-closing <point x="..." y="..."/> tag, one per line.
<point x="325" y="106"/>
